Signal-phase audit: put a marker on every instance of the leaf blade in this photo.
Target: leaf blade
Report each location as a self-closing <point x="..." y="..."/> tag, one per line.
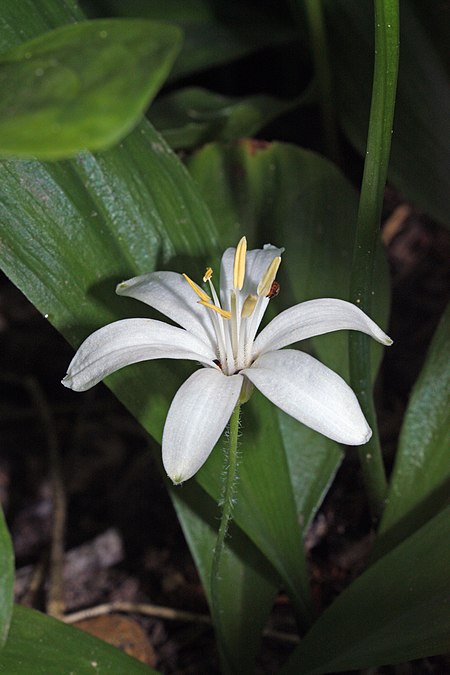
<point x="405" y="610"/>
<point x="70" y="89"/>
<point x="44" y="646"/>
<point x="6" y="579"/>
<point x="420" y="482"/>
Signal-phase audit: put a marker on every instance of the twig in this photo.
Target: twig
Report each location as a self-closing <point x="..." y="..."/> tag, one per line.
<point x="137" y="608"/>
<point x="160" y="612"/>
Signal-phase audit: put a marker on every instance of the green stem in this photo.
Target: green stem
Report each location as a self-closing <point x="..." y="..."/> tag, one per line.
<point x="367" y="233"/>
<point x="317" y="31"/>
<point x="227" y="508"/>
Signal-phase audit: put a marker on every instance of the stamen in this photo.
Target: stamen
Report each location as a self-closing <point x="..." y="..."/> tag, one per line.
<point x="208" y="274"/>
<point x="219" y="310"/>
<point x="239" y="264"/>
<point x="201" y="294"/>
<point x="274" y="290"/>
<point x="249" y="306"/>
<point x="269" y="277"/>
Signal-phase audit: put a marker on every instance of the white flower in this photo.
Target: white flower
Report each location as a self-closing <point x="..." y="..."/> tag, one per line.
<point x="220" y="334"/>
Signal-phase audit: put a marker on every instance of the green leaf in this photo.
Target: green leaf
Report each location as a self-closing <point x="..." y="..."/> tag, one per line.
<point x="82" y="86"/>
<point x="294" y="198"/>
<point x="191" y="117"/>
<point x="396" y="611"/>
<point x="70" y="232"/>
<point x="313" y="461"/>
<point x="6" y="579"/>
<point x="247" y="582"/>
<point x="41" y="645"/>
<point x="215" y="32"/>
<point x="420" y="153"/>
<point x="420" y="483"/>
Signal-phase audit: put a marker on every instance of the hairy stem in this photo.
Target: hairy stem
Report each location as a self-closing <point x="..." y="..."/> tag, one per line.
<point x="227" y="508"/>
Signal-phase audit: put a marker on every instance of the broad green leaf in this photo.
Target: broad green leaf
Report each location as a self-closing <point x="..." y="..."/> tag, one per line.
<point x="247" y="583"/>
<point x="420" y="483"/>
<point x="41" y="645"/>
<point x="293" y="198"/>
<point x="191" y="117"/>
<point x="396" y="611"/>
<point x="6" y="579"/>
<point x="420" y="153"/>
<point x="82" y="86"/>
<point x="215" y="32"/>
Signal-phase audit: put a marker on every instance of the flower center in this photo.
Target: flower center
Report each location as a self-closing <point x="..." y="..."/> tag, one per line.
<point x="236" y="328"/>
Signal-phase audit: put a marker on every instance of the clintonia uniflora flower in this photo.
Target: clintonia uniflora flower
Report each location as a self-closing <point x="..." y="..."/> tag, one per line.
<point x="220" y="333"/>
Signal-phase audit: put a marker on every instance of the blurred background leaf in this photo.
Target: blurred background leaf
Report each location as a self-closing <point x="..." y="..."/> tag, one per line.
<point x="82" y="86"/>
<point x="190" y="117"/>
<point x="41" y="645"/>
<point x="420" y="482"/>
<point x="215" y="32"/>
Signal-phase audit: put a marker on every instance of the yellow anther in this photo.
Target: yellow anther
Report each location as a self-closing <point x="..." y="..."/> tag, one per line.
<point x="219" y="310"/>
<point x="201" y="294"/>
<point x="269" y="276"/>
<point x="249" y="306"/>
<point x="239" y="264"/>
<point x="208" y="274"/>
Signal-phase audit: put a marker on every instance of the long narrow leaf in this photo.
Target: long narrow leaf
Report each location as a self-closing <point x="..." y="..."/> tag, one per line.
<point x="396" y="611"/>
<point x="6" y="579"/>
<point x="247" y="582"/>
<point x="420" y="484"/>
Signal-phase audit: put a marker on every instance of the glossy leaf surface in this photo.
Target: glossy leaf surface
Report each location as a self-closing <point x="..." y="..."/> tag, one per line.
<point x="82" y="86"/>
<point x="41" y="645"/>
<point x="420" y="483"/>
<point x="396" y="611"/>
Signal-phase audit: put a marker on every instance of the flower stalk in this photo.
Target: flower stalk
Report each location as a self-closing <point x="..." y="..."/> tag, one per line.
<point x="367" y="234"/>
<point x="229" y="498"/>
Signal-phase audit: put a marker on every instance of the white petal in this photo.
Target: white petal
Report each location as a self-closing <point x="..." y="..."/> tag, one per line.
<point x="199" y="413"/>
<point x="315" y="317"/>
<point x="312" y="393"/>
<point x="130" y="341"/>
<point x="256" y="263"/>
<point x="170" y="294"/>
